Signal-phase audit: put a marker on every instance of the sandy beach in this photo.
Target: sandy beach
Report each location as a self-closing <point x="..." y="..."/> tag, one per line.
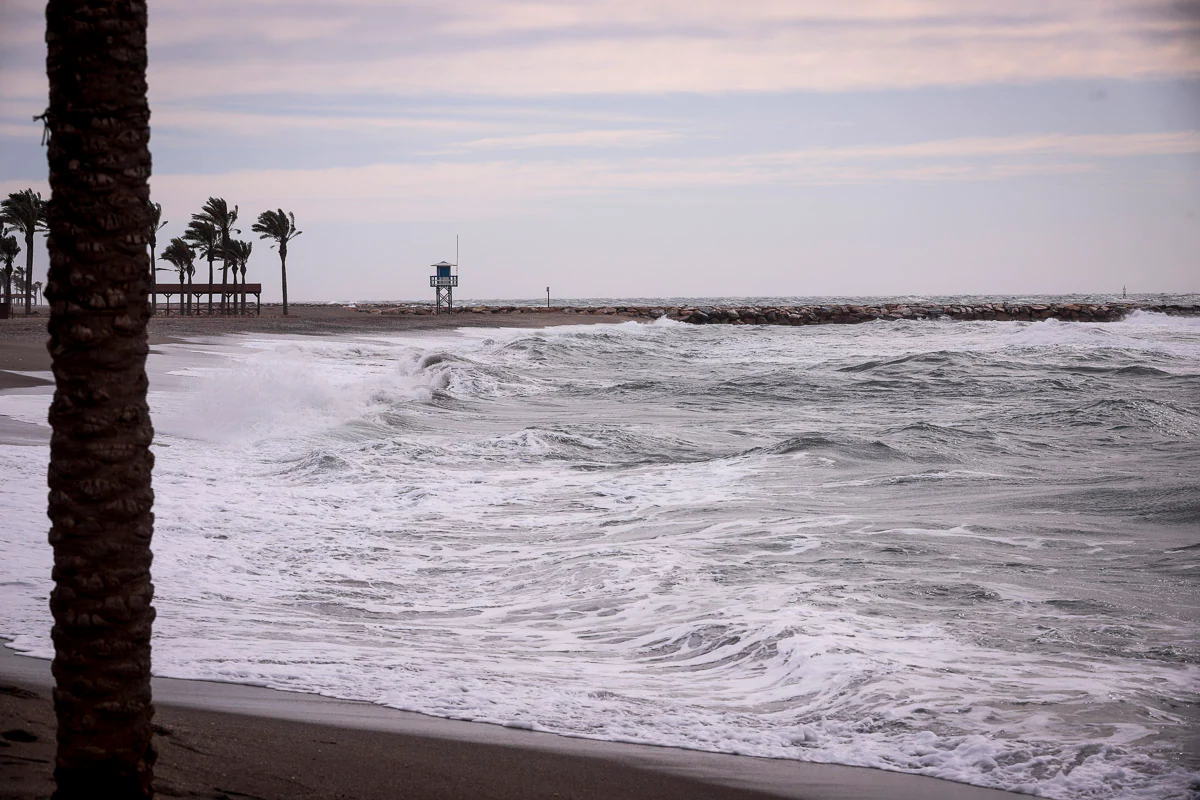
<point x="226" y="741"/>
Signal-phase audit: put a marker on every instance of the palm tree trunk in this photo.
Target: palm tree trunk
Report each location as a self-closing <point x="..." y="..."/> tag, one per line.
<point x="101" y="500"/>
<point x="233" y="294"/>
<point x="224" y="282"/>
<point x="210" y="283"/>
<point x="8" y="291"/>
<point x="153" y="284"/>
<point x="29" y="272"/>
<point x="283" y="276"/>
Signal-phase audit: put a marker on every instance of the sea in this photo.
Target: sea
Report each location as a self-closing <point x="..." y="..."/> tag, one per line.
<point x="966" y="550"/>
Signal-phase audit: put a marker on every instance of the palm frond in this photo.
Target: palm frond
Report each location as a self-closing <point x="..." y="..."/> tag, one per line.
<point x="278" y="225"/>
<point x="178" y="253"/>
<point x="156" y="222"/>
<point x="204" y="237"/>
<point x="10" y="248"/>
<point x="238" y="252"/>
<point x="24" y="210"/>
<point x="217" y="213"/>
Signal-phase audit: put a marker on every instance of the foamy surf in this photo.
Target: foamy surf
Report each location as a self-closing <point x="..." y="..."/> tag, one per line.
<point x="960" y="550"/>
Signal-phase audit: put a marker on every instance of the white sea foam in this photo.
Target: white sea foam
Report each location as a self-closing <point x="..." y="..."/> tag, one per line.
<point x="824" y="543"/>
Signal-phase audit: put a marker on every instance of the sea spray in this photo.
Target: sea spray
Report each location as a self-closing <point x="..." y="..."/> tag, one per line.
<point x="958" y="549"/>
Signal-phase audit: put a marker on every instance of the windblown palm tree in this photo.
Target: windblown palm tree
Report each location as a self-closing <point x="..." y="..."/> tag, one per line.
<point x="191" y="272"/>
<point x="9" y="249"/>
<point x="181" y="256"/>
<point x="239" y="253"/>
<point x="156" y="225"/>
<point x="242" y="262"/>
<point x="205" y="237"/>
<point x="101" y="499"/>
<point x="216" y="213"/>
<point x="281" y="227"/>
<point x="26" y="211"/>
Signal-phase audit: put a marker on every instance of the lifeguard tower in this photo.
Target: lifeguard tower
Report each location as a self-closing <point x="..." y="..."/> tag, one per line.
<point x="443" y="282"/>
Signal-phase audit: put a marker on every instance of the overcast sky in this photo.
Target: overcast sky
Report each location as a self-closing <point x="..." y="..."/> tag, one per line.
<point x="673" y="147"/>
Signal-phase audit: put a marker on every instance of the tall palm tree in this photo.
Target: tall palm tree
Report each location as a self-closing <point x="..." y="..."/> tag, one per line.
<point x="9" y="249"/>
<point x="101" y="500"/>
<point x="216" y="213"/>
<point x="191" y="272"/>
<point x="26" y="211"/>
<point x="242" y="266"/>
<point x="205" y="237"/>
<point x="156" y="224"/>
<point x="239" y="254"/>
<point x="229" y="258"/>
<point x="181" y="256"/>
<point x="282" y="228"/>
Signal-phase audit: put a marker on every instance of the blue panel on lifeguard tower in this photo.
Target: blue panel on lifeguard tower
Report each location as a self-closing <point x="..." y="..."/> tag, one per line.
<point x="443" y="272"/>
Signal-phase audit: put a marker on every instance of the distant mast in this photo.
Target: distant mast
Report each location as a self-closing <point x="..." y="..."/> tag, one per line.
<point x="443" y="281"/>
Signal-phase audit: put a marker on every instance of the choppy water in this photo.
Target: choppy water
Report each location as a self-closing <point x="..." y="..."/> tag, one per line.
<point x="966" y="550"/>
<point x="811" y="300"/>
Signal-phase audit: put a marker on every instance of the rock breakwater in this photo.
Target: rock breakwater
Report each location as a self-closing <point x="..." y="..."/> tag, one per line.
<point x="823" y="314"/>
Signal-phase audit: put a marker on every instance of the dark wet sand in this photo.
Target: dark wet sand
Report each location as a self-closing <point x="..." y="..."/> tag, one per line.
<point x="22" y="355"/>
<point x="229" y="741"/>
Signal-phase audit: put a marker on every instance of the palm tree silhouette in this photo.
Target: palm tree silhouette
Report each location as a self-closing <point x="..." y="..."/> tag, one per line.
<point x="216" y="213"/>
<point x="181" y="256"/>
<point x="101" y="499"/>
<point x="156" y="225"/>
<point x="19" y="277"/>
<point x="9" y="249"/>
<point x="205" y="237"/>
<point x="281" y="227"/>
<point x="242" y="266"/>
<point x="239" y="253"/>
<point x="26" y="211"/>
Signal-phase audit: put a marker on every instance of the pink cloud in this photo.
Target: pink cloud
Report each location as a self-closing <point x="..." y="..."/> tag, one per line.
<point x="471" y="47"/>
<point x="448" y="189"/>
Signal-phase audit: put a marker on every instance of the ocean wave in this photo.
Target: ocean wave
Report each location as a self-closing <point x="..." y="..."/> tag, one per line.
<point x="837" y="447"/>
<point x="960" y="550"/>
<point x="937" y="359"/>
<point x="1121" y="414"/>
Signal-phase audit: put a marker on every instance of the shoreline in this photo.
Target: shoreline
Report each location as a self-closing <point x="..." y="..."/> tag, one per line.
<point x="23" y="339"/>
<point x="226" y="739"/>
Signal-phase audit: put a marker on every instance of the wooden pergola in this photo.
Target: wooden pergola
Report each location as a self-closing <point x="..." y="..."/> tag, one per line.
<point x="236" y="294"/>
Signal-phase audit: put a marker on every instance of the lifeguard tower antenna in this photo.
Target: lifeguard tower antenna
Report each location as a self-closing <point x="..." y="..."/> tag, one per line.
<point x="443" y="281"/>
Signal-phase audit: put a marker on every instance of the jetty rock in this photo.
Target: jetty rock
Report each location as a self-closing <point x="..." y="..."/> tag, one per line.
<point x="826" y="314"/>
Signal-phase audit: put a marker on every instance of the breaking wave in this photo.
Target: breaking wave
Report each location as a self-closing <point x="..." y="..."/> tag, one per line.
<point x="960" y="550"/>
